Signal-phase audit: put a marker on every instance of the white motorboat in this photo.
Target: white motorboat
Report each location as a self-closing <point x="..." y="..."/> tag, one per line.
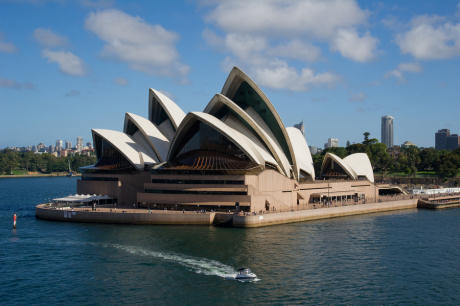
<point x="245" y="274"/>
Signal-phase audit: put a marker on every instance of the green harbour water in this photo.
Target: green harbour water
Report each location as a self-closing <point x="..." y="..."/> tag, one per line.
<point x="406" y="257"/>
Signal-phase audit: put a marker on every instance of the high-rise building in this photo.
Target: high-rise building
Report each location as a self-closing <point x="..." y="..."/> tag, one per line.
<point x="300" y="127"/>
<point x="452" y="142"/>
<point x="387" y="131"/>
<point x="79" y="143"/>
<point x="50" y="149"/>
<point x="441" y="139"/>
<point x="68" y="145"/>
<point x="331" y="143"/>
<point x="59" y="145"/>
<point x="313" y="149"/>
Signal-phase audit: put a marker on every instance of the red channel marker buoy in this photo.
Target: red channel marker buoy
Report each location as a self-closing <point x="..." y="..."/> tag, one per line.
<point x="14" y="221"/>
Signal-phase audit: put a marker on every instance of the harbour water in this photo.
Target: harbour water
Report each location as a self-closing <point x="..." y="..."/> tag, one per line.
<point x="404" y="257"/>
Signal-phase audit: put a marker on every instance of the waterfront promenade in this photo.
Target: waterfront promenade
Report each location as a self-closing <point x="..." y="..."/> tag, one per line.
<point x="145" y="216"/>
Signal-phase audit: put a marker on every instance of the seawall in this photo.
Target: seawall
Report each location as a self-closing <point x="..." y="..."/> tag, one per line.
<point x="123" y="216"/>
<point x="321" y="213"/>
<point x="143" y="216"/>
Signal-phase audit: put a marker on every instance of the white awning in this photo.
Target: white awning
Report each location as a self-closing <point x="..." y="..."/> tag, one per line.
<point x="82" y="198"/>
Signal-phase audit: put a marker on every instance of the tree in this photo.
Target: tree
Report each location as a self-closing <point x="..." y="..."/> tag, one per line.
<point x="448" y="167"/>
<point x="366" y="137"/>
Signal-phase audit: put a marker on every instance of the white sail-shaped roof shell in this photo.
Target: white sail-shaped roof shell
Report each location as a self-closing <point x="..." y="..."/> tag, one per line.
<point x="219" y="101"/>
<point x="174" y="113"/>
<point x="151" y="135"/>
<point x="231" y="86"/>
<point x="302" y="152"/>
<point x="136" y="155"/>
<point x="344" y="165"/>
<point x="253" y="152"/>
<point x="361" y="165"/>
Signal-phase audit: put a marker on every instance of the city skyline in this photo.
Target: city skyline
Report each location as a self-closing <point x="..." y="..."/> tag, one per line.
<point x="61" y="74"/>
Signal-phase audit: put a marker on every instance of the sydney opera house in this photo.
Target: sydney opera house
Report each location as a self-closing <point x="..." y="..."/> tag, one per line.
<point x="235" y="155"/>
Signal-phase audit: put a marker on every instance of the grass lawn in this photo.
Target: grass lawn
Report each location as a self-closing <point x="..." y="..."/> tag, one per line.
<point x="20" y="172"/>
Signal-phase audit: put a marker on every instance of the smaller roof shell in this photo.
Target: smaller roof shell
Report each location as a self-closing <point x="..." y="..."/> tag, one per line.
<point x="361" y="165"/>
<point x="157" y="141"/>
<point x="134" y="153"/>
<point x="344" y="165"/>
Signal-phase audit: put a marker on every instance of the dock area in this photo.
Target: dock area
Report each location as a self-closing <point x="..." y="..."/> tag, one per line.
<point x="321" y="213"/>
<point x="146" y="216"/>
<point x="440" y="202"/>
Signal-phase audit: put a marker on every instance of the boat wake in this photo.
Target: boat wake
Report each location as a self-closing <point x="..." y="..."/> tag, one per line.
<point x="198" y="265"/>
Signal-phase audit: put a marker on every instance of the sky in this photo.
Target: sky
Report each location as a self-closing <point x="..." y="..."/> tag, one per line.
<point x="338" y="66"/>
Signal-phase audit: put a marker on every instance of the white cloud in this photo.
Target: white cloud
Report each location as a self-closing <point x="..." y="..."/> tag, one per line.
<point x="121" y="81"/>
<point x="398" y="73"/>
<point x="7" y="83"/>
<point x="297" y="49"/>
<point x="352" y="46"/>
<point x="430" y="38"/>
<point x="281" y="76"/>
<point x="5" y="46"/>
<point x="68" y="62"/>
<point x="49" y="39"/>
<point x="281" y="36"/>
<point x="358" y="97"/>
<point x="287" y="18"/>
<point x="145" y="47"/>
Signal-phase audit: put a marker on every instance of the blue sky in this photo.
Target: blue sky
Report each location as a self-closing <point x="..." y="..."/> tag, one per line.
<point x="69" y="66"/>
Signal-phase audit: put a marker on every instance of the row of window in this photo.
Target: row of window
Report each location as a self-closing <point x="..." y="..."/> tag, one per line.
<point x="195" y="192"/>
<point x="209" y="182"/>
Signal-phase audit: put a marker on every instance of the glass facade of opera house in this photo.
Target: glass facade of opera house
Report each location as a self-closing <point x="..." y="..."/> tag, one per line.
<point x="236" y="155"/>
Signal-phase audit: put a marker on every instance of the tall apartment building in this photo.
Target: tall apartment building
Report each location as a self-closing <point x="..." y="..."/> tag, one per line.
<point x="59" y="145"/>
<point x="300" y="127"/>
<point x="387" y="131"/>
<point x="452" y="142"/>
<point x="68" y="145"/>
<point x="79" y="144"/>
<point x="331" y="143"/>
<point x="440" y="139"/>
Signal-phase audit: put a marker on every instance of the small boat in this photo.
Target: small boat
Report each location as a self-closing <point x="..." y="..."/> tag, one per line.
<point x="245" y="274"/>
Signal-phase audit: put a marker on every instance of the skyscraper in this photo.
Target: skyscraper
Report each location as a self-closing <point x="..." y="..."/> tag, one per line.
<point x="59" y="145"/>
<point x="387" y="131"/>
<point x="300" y="127"/>
<point x="453" y="142"/>
<point x="331" y="143"/>
<point x="441" y="139"/>
<point x="79" y="143"/>
<point x="68" y="145"/>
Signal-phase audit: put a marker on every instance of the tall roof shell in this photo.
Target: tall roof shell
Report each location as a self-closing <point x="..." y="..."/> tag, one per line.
<point x="219" y="102"/>
<point x="134" y="153"/>
<point x="174" y="113"/>
<point x="152" y="135"/>
<point x="361" y="165"/>
<point x="257" y="155"/>
<point x="302" y="152"/>
<point x="268" y="113"/>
